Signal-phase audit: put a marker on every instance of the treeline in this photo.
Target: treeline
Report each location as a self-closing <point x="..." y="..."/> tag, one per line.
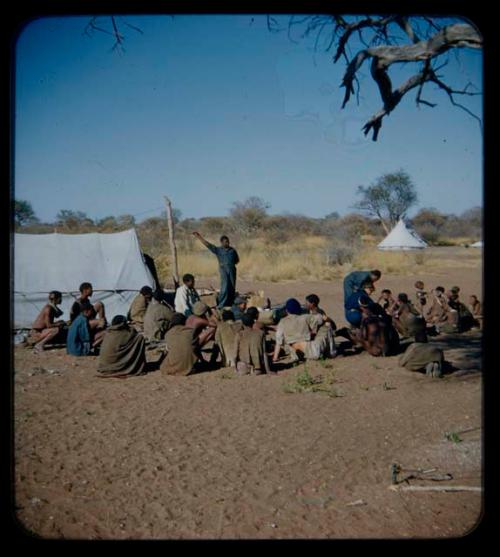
<point x="251" y="219"/>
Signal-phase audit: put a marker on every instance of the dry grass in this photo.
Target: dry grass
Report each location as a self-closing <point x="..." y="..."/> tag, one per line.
<point x="305" y="258"/>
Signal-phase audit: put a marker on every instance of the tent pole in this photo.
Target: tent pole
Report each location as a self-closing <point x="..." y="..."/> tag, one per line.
<point x="173" y="247"/>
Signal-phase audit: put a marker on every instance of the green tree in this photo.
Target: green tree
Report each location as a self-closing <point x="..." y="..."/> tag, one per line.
<point x="73" y="220"/>
<point x="24" y="213"/>
<point x="249" y="215"/>
<point x="389" y="198"/>
<point x="429" y="223"/>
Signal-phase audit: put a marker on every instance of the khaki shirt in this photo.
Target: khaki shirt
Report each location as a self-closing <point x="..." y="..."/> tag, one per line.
<point x="297" y="328"/>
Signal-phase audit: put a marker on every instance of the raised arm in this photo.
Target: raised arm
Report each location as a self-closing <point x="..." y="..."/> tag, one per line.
<point x="202" y="240"/>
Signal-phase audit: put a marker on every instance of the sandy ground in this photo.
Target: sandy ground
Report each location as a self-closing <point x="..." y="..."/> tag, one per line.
<point x="216" y="456"/>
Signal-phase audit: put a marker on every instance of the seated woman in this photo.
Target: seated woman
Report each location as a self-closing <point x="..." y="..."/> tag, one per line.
<point x="123" y="350"/>
<point x="45" y="329"/>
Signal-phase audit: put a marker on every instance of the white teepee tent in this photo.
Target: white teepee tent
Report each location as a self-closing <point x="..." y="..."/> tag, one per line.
<point x="402" y="238"/>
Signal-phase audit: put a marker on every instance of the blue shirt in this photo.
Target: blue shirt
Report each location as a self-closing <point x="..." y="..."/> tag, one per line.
<point x="228" y="257"/>
<point x="353" y="282"/>
<point x="78" y="341"/>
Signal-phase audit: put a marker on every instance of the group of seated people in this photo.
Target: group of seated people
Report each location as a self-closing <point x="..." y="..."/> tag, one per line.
<point x="251" y="340"/>
<point x="375" y="325"/>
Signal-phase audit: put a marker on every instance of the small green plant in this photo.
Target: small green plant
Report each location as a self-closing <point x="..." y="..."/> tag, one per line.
<point x="226" y="375"/>
<point x="453" y="437"/>
<point x="387" y="387"/>
<point x="304" y="382"/>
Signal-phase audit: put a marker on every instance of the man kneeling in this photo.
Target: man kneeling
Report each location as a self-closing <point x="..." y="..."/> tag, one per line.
<point x="122" y="351"/>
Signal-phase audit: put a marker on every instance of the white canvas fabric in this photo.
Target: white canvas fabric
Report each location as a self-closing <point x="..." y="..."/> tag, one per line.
<point x="402" y="238"/>
<point x="112" y="263"/>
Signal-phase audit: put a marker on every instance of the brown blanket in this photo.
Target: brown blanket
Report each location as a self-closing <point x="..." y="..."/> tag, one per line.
<point x="181" y="357"/>
<point x="122" y="352"/>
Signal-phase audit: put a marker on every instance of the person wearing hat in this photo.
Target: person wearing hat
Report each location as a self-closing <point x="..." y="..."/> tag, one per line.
<point x="139" y="306"/>
<point x="239" y="307"/>
<point x="228" y="258"/>
<point x="296" y="332"/>
<point x="204" y="326"/>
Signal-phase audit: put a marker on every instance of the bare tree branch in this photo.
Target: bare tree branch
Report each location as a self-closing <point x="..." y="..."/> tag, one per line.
<point x="453" y="36"/>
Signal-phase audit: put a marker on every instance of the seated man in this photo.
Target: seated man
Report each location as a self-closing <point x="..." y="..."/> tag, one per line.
<point x="239" y="307"/>
<point x="406" y="317"/>
<point x="45" y="329"/>
<point x="464" y="320"/>
<point x="476" y="309"/>
<point x="139" y="306"/>
<point x="225" y="336"/>
<point x="376" y="334"/>
<point x="327" y="325"/>
<point x="123" y="350"/>
<point x="157" y="318"/>
<point x="186" y="296"/>
<point x="254" y="313"/>
<point x="250" y="349"/>
<point x="421" y="355"/>
<point x="79" y="341"/>
<point x="204" y="325"/>
<point x="438" y="310"/>
<point x="297" y="331"/>
<point x="97" y="320"/>
<point x="386" y="301"/>
<point x="182" y="348"/>
<point x="421" y="297"/>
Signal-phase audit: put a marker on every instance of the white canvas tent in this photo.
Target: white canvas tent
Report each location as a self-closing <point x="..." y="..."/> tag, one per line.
<point x="402" y="238"/>
<point x="478" y="244"/>
<point x="113" y="263"/>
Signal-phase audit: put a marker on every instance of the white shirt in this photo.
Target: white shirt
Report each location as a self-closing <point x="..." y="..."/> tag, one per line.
<point x="185" y="298"/>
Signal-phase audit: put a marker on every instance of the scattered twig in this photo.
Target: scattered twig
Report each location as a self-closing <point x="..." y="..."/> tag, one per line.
<point x="435" y="488"/>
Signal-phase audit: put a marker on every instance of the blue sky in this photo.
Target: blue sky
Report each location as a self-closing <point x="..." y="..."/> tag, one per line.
<point x="213" y="109"/>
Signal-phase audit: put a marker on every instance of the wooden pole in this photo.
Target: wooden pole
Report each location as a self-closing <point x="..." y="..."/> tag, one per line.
<point x="173" y="247"/>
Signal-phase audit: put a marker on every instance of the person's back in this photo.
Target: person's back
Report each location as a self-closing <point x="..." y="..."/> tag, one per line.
<point x="250" y="349"/>
<point x="181" y="345"/>
<point x="225" y="336"/>
<point x="122" y="350"/>
<point x="296" y="328"/>
<point x="419" y="354"/>
<point x="156" y="321"/>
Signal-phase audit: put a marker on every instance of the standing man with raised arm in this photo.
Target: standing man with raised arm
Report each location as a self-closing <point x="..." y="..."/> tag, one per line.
<point x="228" y="259"/>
